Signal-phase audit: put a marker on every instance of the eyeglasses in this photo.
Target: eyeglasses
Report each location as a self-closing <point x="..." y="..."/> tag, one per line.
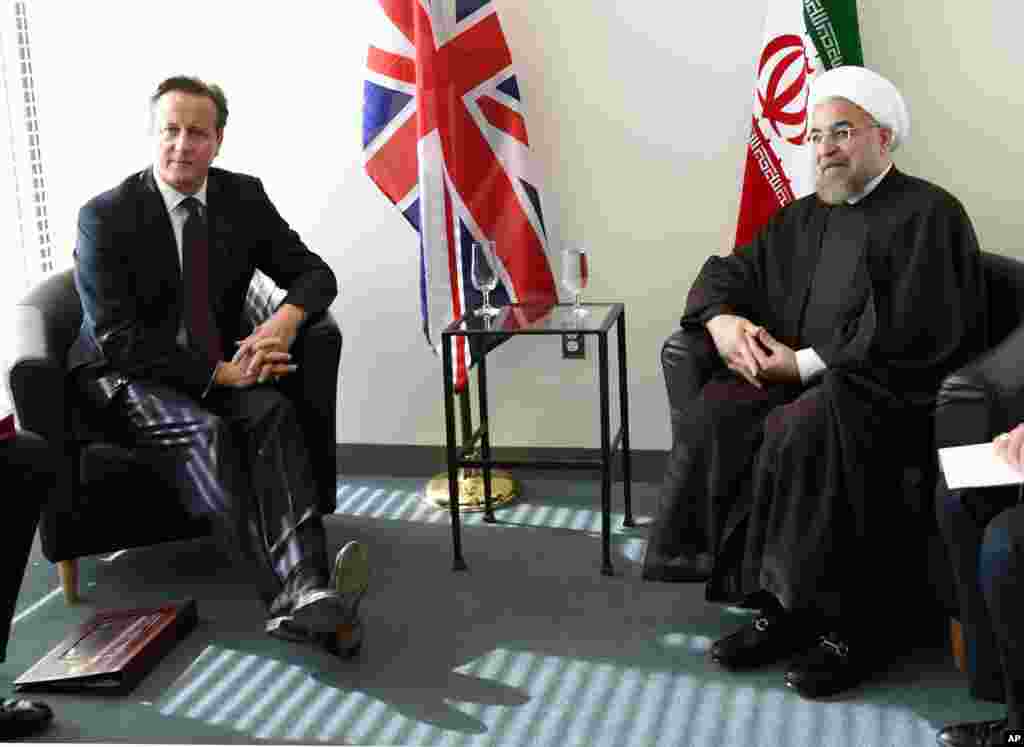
<point x="837" y="135"/>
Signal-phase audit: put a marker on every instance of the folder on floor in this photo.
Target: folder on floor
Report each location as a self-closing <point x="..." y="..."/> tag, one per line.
<point x="112" y="650"/>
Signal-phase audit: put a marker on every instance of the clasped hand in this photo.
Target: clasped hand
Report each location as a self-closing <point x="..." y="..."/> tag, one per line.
<point x="262" y="356"/>
<point x="749" y="350"/>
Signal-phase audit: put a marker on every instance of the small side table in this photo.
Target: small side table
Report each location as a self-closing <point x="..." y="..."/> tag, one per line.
<point x="486" y="334"/>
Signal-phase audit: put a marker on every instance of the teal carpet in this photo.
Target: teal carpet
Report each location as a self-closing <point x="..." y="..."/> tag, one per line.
<point x="531" y="646"/>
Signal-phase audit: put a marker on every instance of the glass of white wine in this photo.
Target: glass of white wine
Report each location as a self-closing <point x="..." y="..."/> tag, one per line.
<point x="485" y="279"/>
<point x="575" y="274"/>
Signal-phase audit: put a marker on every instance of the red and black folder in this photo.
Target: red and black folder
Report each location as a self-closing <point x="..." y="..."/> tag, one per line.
<point x="112" y="650"/>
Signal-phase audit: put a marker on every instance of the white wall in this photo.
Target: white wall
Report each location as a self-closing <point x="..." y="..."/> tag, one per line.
<point x="638" y="112"/>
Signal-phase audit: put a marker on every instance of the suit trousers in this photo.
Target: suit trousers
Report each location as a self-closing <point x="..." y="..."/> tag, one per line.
<point x="28" y="475"/>
<point x="984" y="532"/>
<point x="238" y="457"/>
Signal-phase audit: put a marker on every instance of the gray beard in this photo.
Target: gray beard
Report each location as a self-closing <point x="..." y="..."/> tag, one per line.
<point x="835" y="192"/>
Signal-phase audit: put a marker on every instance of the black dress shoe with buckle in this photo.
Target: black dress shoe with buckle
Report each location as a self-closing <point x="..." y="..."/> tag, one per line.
<point x="22" y="718"/>
<point x="974" y="734"/>
<point x="831" y="667"/>
<point x="769" y="637"/>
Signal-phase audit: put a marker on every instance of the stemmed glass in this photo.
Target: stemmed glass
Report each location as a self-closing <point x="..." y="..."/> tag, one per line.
<point x="485" y="279"/>
<point x="575" y="273"/>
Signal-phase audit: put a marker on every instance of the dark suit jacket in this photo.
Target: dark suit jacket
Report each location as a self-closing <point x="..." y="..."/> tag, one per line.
<point x="128" y="275"/>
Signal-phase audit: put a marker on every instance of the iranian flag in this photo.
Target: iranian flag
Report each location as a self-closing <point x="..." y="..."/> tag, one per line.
<point x="802" y="39"/>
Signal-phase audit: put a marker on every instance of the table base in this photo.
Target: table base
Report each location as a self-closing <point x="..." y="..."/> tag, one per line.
<point x="504" y="489"/>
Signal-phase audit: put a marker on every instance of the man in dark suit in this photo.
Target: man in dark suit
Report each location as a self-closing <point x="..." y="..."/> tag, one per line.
<point x="27" y="474"/>
<point x="984" y="532"/>
<point x="162" y="265"/>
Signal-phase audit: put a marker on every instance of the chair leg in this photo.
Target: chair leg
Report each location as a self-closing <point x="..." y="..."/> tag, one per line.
<point x="68" y="571"/>
<point x="956" y="640"/>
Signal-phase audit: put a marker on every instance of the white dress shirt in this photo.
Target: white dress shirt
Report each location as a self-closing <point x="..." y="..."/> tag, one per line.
<point x="178" y="214"/>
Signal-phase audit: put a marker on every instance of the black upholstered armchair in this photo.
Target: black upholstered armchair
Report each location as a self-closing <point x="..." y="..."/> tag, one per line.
<point x="986" y="397"/>
<point x="108" y="499"/>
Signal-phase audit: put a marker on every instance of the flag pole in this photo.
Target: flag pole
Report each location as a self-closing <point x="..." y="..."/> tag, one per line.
<point x="504" y="487"/>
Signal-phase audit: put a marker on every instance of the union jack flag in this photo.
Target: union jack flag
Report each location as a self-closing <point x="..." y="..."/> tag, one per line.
<point x="444" y="139"/>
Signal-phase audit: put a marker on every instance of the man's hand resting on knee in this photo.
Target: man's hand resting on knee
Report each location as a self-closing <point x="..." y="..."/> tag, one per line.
<point x="263" y="355"/>
<point x="249" y="370"/>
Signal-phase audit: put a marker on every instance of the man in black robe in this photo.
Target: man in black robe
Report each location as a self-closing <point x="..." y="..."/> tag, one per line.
<point x="835" y="327"/>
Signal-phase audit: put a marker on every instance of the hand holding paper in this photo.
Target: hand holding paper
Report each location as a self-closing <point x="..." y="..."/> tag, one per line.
<point x="1010" y="447"/>
<point x="976" y="466"/>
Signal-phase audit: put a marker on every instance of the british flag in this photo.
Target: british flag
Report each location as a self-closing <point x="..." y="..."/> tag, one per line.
<point x="444" y="138"/>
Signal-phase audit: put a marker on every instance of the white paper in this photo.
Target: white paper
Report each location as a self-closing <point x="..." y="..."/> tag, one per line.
<point x="976" y="466"/>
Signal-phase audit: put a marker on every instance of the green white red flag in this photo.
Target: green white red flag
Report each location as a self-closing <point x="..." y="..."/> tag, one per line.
<point x="802" y="39"/>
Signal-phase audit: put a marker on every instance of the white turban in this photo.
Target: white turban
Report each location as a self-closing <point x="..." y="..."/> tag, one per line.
<point x="868" y="90"/>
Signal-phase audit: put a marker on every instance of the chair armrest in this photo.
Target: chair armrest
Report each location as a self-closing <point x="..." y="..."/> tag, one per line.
<point x="37" y="378"/>
<point x="688" y="358"/>
<point x="261" y="300"/>
<point x="317" y="351"/>
<point x="319" y="340"/>
<point x="983" y="398"/>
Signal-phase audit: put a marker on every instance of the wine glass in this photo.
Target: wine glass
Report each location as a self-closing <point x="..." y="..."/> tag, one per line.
<point x="485" y="279"/>
<point x="575" y="273"/>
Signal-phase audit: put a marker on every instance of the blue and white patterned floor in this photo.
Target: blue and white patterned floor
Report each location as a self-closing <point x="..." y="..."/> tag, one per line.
<point x="532" y="646"/>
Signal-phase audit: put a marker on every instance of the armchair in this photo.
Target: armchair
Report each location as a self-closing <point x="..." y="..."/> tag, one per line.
<point x="986" y="397"/>
<point x="99" y="478"/>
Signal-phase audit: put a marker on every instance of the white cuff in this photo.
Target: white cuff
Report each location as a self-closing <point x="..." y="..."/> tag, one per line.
<point x="809" y="363"/>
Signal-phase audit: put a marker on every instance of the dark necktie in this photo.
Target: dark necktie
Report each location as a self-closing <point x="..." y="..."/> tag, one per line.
<point x="195" y="252"/>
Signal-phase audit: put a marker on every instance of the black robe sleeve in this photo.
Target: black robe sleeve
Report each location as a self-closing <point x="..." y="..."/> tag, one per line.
<point x="733" y="284"/>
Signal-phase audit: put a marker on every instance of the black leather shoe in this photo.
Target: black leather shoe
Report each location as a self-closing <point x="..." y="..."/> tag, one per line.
<point x="973" y="734"/>
<point x="21" y="718"/>
<point x="320" y="610"/>
<point x="831" y="667"/>
<point x="769" y="637"/>
<point x="344" y="642"/>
